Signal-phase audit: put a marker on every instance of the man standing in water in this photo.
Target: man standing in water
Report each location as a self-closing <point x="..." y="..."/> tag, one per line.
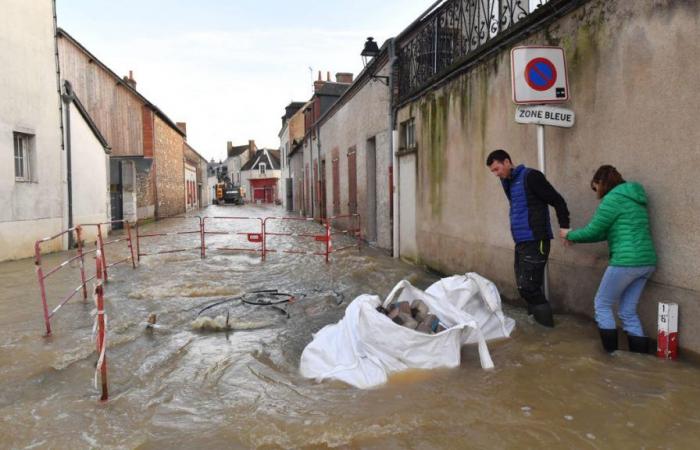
<point x="530" y="195"/>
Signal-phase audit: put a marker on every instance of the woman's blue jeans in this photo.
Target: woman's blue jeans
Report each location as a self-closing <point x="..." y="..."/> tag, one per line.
<point x="623" y="285"/>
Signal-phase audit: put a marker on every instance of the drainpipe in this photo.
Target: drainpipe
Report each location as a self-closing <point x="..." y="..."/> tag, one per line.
<point x="60" y="108"/>
<point x="67" y="98"/>
<point x="318" y="169"/>
<point x="392" y="153"/>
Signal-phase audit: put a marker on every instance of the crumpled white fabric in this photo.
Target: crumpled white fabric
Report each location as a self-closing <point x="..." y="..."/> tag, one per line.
<point x="365" y="346"/>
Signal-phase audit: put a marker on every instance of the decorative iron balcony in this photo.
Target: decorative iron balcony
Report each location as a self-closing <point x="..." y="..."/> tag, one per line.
<point x="459" y="30"/>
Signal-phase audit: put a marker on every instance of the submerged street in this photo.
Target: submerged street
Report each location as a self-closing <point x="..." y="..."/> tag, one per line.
<point x="176" y="385"/>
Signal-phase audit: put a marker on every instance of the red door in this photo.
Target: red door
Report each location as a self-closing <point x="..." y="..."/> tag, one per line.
<point x="352" y="180"/>
<point x="336" y="186"/>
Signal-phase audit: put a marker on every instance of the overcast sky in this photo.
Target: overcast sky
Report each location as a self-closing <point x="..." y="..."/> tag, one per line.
<point x="228" y="68"/>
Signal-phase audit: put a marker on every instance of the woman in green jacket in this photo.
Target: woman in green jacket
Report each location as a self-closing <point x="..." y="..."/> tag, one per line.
<point x="621" y="219"/>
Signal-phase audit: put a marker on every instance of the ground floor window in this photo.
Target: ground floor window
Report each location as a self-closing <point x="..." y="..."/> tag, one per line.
<point x="23" y="156"/>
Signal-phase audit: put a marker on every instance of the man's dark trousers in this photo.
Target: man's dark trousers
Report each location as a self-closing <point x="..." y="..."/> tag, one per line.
<point x="530" y="261"/>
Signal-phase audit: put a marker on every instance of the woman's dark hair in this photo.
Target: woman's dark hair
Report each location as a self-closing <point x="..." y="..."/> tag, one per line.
<point x="497" y="155"/>
<point x="606" y="178"/>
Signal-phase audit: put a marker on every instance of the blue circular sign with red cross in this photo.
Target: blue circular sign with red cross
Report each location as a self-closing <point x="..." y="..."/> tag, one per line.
<point x="540" y="74"/>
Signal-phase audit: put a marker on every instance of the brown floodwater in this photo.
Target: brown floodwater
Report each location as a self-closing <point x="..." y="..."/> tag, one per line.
<point x="179" y="386"/>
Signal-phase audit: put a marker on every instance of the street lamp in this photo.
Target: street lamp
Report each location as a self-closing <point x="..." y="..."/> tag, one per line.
<point x="368" y="53"/>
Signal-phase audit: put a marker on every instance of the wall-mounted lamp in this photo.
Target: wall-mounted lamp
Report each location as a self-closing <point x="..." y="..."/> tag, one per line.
<point x="368" y="53"/>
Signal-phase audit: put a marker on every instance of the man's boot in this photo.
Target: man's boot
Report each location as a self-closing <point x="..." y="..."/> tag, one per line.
<point x="609" y="339"/>
<point x="638" y="344"/>
<point x="543" y="314"/>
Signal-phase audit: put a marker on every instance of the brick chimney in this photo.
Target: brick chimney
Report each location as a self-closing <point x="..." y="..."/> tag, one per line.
<point x="130" y="80"/>
<point x="182" y="126"/>
<point x="343" y="77"/>
<point x="251" y="148"/>
<point x="318" y="84"/>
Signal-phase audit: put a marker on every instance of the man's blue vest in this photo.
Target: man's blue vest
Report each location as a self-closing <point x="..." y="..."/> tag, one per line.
<point x="517" y="193"/>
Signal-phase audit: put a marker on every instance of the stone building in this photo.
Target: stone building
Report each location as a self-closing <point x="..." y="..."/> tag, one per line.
<point x="313" y="182"/>
<point x="260" y="177"/>
<point x="355" y="136"/>
<point x="292" y="129"/>
<point x="632" y="69"/>
<point x="146" y="164"/>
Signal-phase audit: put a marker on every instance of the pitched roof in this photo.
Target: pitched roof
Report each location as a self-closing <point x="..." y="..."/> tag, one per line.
<point x="333" y="89"/>
<point x="189" y="147"/>
<point x="237" y="150"/>
<point x="269" y="157"/>
<point x="60" y="32"/>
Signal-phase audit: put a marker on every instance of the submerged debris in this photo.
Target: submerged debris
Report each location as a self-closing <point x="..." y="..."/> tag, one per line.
<point x="414" y="315"/>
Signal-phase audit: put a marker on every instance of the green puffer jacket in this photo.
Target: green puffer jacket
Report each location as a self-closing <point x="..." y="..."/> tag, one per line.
<point x="622" y="220"/>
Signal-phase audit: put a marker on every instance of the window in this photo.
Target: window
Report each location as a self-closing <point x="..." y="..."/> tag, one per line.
<point x="407" y="139"/>
<point x="23" y="156"/>
<point x="262" y="168"/>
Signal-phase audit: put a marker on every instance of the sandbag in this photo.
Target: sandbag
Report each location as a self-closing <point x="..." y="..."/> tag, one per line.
<point x="365" y="346"/>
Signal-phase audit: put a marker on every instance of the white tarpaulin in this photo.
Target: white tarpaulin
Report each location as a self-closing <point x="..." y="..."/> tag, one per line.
<point x="366" y="345"/>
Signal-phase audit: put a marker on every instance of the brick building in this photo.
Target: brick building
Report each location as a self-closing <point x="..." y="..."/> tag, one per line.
<point x="146" y="164"/>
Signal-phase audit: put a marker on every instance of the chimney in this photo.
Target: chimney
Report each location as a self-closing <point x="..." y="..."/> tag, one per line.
<point x="343" y="77"/>
<point x="130" y="80"/>
<point x="182" y="126"/>
<point x="251" y="148"/>
<point x="318" y="83"/>
<point x="328" y="76"/>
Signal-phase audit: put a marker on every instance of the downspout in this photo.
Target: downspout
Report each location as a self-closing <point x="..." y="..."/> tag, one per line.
<point x="67" y="99"/>
<point x="392" y="153"/>
<point x="60" y="114"/>
<point x="318" y="170"/>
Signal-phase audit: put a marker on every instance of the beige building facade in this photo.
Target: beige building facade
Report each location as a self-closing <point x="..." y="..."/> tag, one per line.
<point x="633" y="74"/>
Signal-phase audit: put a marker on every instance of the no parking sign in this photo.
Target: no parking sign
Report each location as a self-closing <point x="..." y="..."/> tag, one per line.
<point x="539" y="75"/>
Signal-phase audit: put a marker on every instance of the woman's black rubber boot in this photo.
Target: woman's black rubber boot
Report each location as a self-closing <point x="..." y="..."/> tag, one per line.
<point x="638" y="344"/>
<point x="609" y="339"/>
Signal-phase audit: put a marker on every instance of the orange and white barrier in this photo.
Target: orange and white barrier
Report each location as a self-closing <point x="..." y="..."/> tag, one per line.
<point x="253" y="234"/>
<point x="322" y="235"/>
<point x="80" y="257"/>
<point x="348" y="225"/>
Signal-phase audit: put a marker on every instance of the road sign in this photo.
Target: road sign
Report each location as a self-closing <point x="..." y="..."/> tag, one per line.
<point x="545" y="115"/>
<point x="538" y="75"/>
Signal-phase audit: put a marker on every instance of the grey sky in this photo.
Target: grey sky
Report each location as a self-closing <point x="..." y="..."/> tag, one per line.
<point x="228" y="68"/>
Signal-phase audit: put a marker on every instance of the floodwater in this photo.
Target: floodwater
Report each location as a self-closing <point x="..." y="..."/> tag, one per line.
<point x="178" y="386"/>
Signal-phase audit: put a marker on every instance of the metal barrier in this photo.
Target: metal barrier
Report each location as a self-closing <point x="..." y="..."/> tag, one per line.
<point x="349" y="231"/>
<point x="100" y="327"/>
<point x="41" y="276"/>
<point x="254" y="236"/>
<point x="80" y="255"/>
<point x="324" y="237"/>
<point x="199" y="231"/>
<point x="101" y="244"/>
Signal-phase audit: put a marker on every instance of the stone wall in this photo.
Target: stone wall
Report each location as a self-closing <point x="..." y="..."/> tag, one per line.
<point x="633" y="80"/>
<point x="362" y="123"/>
<point x="169" y="170"/>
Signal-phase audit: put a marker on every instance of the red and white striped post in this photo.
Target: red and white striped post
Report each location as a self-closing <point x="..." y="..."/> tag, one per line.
<point x="100" y="341"/>
<point x="42" y="287"/>
<point x="131" y="247"/>
<point x="101" y="245"/>
<point x="79" y="237"/>
<point x="329" y="245"/>
<point x="667" y="338"/>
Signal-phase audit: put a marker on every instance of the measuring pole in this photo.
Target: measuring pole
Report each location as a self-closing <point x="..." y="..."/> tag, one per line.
<point x="542" y="163"/>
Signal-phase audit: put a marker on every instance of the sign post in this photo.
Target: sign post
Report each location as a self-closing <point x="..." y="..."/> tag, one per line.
<point x="539" y="77"/>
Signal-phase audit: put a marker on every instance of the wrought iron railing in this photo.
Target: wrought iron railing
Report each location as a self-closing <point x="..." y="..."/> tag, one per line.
<point x="456" y="31"/>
